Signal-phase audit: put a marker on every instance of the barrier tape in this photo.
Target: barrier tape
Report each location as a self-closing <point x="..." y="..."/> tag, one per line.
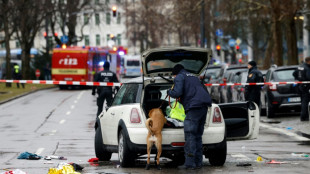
<point x="51" y="82"/>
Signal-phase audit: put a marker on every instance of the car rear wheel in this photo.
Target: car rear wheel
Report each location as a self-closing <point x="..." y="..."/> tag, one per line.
<point x="269" y="109"/>
<point x="126" y="158"/>
<point x="217" y="157"/>
<point x="99" y="147"/>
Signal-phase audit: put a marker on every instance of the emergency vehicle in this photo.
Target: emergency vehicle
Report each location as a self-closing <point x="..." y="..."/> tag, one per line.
<point x="81" y="63"/>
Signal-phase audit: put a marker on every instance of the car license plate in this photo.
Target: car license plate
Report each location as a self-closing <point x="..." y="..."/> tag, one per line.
<point x="294" y="99"/>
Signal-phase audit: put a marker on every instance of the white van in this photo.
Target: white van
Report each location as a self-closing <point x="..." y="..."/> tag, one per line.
<point x="131" y="66"/>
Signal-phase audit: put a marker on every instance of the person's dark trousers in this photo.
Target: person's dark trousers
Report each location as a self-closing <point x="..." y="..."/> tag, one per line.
<point x="104" y="95"/>
<point x="304" y="115"/>
<point x="193" y="130"/>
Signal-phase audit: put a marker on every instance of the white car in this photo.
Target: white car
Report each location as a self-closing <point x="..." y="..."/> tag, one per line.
<point x="121" y="127"/>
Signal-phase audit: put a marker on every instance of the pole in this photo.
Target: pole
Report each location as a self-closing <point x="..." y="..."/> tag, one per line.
<point x="202" y="24"/>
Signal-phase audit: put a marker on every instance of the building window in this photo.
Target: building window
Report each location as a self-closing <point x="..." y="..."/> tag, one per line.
<point x="118" y="18"/>
<point x="86" y="19"/>
<point x="119" y="39"/>
<point x="107" y="1"/>
<point x="97" y="39"/>
<point x="108" y="37"/>
<point x="108" y="18"/>
<point x="86" y="37"/>
<point x="17" y="44"/>
<point x="96" y="2"/>
<point x="118" y="1"/>
<point x="97" y="18"/>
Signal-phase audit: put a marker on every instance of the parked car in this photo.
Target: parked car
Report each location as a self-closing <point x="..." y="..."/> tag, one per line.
<point x="280" y="97"/>
<point x="121" y="127"/>
<point x="220" y="93"/>
<point x="211" y="75"/>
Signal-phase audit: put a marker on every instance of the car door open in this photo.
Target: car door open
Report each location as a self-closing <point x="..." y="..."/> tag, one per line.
<point x="241" y="120"/>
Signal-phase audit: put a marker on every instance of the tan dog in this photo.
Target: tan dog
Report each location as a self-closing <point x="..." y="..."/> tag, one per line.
<point x="154" y="124"/>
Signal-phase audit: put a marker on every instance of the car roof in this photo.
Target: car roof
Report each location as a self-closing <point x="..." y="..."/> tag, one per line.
<point x="284" y="67"/>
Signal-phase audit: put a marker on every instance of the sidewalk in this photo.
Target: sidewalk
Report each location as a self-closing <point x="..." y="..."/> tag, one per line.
<point x="291" y="123"/>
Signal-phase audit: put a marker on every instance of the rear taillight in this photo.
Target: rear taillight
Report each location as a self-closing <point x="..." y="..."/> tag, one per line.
<point x="134" y="116"/>
<point x="217" y="116"/>
<point x="179" y="144"/>
<point x="272" y="87"/>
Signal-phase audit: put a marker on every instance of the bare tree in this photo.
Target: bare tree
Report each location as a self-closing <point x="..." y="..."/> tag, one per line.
<point x="65" y="15"/>
<point x="28" y="18"/>
<point x="8" y="28"/>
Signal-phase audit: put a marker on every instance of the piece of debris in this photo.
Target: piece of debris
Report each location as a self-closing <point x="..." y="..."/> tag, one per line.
<point x="243" y="164"/>
<point x="16" y="171"/>
<point x="259" y="159"/>
<point x="29" y="156"/>
<point x="276" y="162"/>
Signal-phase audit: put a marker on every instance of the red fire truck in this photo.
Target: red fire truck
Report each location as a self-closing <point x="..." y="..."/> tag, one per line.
<point x="81" y="63"/>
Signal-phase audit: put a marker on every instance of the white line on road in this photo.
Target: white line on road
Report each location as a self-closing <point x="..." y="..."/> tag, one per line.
<point x="240" y="157"/>
<point x="68" y="113"/>
<point x="39" y="151"/>
<point x="62" y="121"/>
<point x="283" y="131"/>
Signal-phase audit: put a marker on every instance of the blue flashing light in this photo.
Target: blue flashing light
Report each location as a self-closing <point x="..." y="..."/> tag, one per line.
<point x="101" y="63"/>
<point x="121" y="53"/>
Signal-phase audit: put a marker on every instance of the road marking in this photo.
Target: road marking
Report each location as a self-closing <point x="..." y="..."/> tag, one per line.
<point x="39" y="151"/>
<point x="72" y="106"/>
<point x="240" y="157"/>
<point x="68" y="113"/>
<point x="80" y="95"/>
<point x="284" y="131"/>
<point x="62" y="121"/>
<point x="53" y="132"/>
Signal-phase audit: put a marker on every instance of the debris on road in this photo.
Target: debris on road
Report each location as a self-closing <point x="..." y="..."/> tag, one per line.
<point x="29" y="156"/>
<point x="243" y="164"/>
<point x="16" y="171"/>
<point x="259" y="159"/>
<point x="63" y="168"/>
<point x="276" y="162"/>
<point x="300" y="154"/>
<point x="54" y="157"/>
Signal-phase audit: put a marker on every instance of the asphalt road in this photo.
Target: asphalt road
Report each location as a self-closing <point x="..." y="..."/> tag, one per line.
<point x="60" y="123"/>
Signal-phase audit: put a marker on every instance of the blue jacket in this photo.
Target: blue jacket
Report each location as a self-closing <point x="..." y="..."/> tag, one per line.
<point x="191" y="92"/>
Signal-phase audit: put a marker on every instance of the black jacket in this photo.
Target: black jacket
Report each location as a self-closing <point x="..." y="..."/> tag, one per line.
<point x="104" y="76"/>
<point x="252" y="92"/>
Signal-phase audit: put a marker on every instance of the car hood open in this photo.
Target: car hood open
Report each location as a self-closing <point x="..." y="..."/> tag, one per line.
<point x="160" y="61"/>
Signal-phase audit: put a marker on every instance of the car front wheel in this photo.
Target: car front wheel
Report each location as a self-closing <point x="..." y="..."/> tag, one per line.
<point x="217" y="157"/>
<point x="99" y="147"/>
<point x="126" y="158"/>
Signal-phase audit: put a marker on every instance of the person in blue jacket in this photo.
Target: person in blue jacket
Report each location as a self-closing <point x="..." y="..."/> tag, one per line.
<point x="195" y="100"/>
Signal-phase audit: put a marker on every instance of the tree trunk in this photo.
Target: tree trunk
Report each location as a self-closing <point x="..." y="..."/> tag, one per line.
<point x="269" y="49"/>
<point x="7" y="36"/>
<point x="292" y="52"/>
<point x="26" y="72"/>
<point x="277" y="33"/>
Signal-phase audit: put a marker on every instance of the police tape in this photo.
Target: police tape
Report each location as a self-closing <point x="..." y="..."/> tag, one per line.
<point x="51" y="82"/>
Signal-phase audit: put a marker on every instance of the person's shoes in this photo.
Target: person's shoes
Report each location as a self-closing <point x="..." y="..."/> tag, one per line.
<point x="184" y="167"/>
<point x="198" y="167"/>
<point x="304" y="119"/>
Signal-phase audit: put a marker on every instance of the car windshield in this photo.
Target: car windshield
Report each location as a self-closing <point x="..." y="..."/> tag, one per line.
<point x="284" y="75"/>
<point x="133" y="63"/>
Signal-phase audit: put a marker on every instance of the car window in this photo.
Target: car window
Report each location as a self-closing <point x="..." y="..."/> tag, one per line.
<point x="130" y="95"/>
<point x="214" y="72"/>
<point x="284" y="75"/>
<point x="119" y="96"/>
